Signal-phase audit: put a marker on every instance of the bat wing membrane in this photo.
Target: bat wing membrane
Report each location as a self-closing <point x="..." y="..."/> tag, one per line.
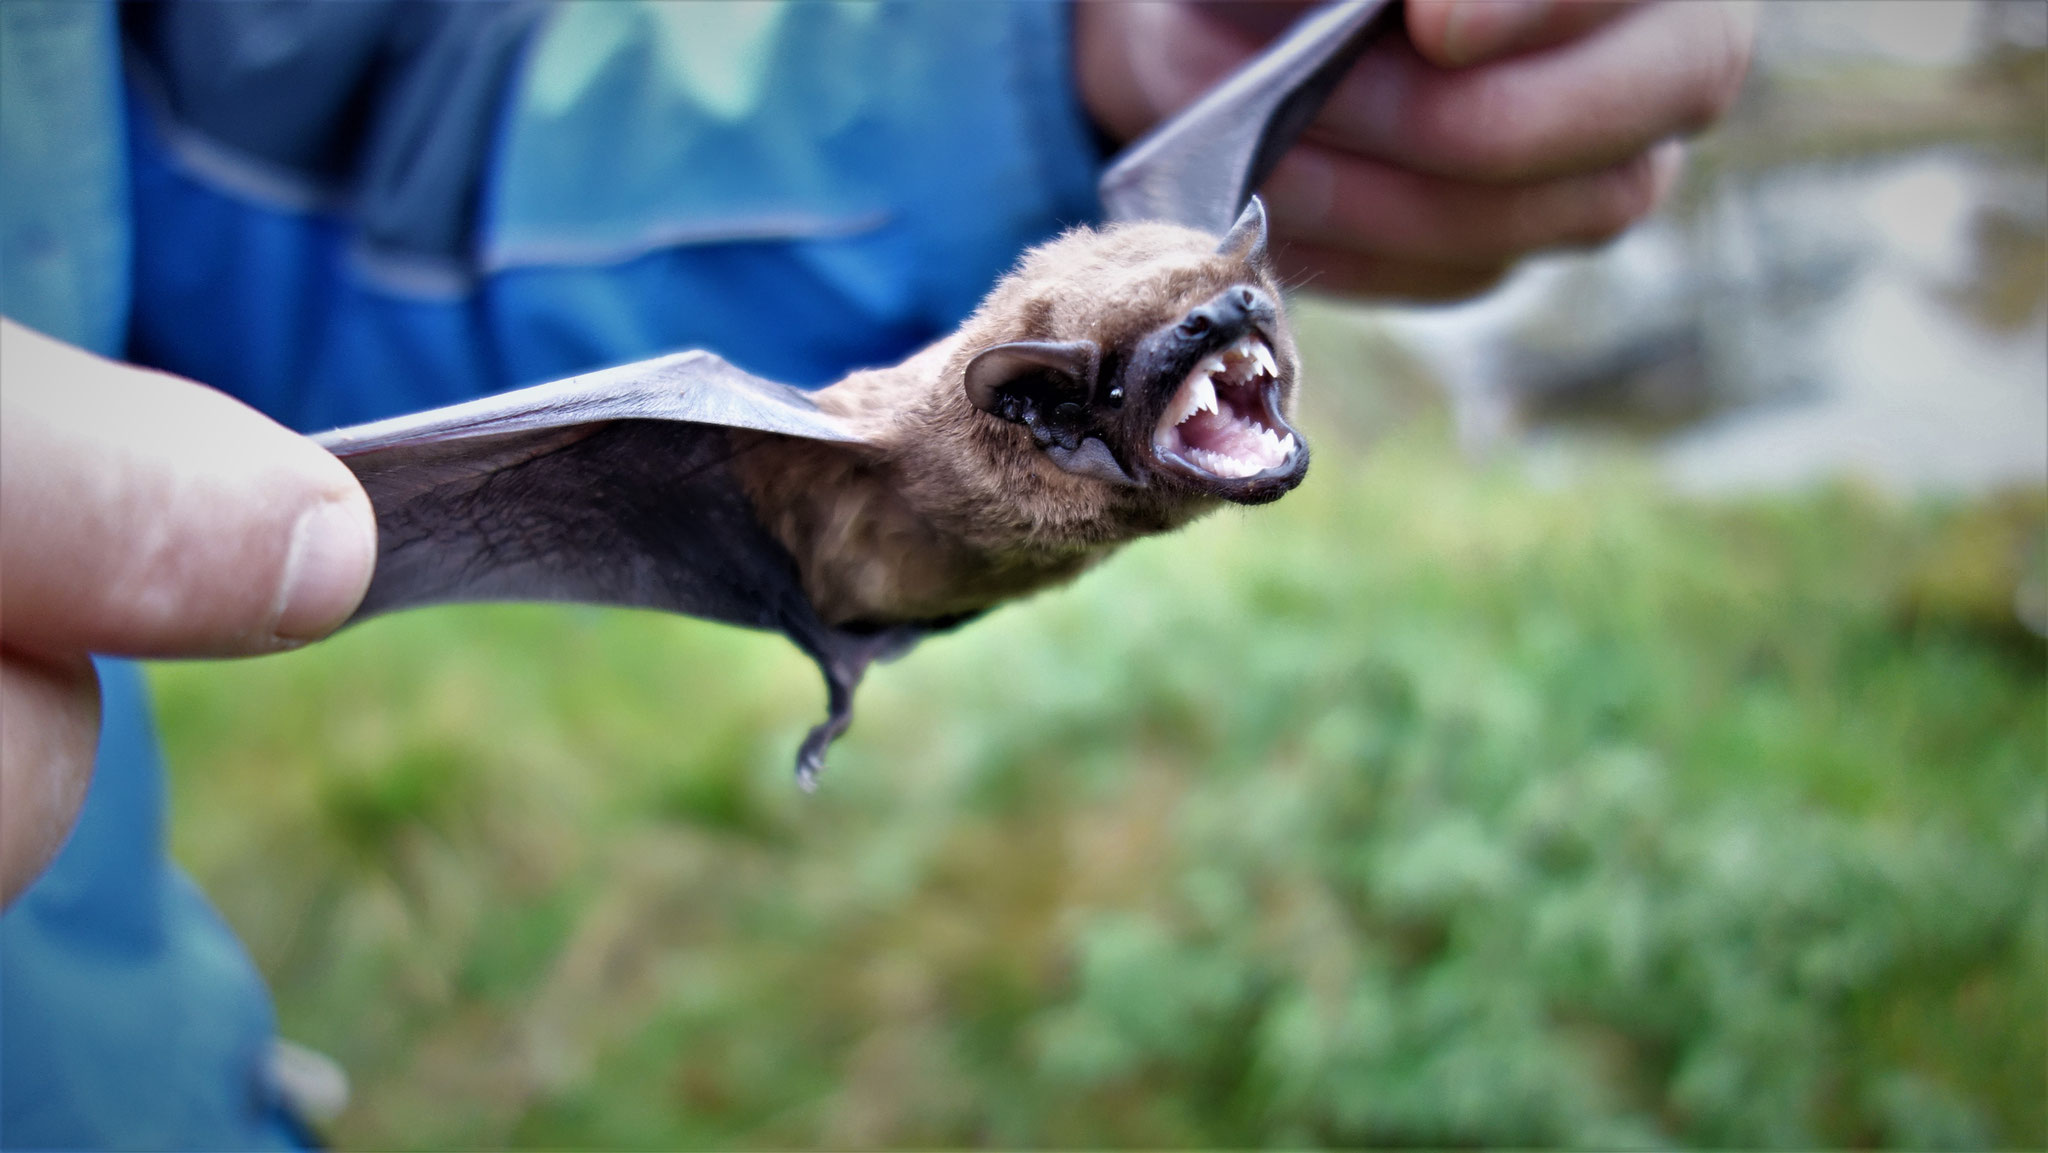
<point x="607" y="488"/>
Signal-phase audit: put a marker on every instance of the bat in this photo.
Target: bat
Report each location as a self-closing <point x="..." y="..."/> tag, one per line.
<point x="1118" y="382"/>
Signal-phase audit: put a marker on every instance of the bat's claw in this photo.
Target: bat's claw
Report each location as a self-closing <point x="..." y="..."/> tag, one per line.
<point x="844" y="660"/>
<point x="810" y="759"/>
<point x="810" y="756"/>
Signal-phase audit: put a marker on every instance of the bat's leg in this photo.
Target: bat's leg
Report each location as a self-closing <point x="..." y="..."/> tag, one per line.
<point x="810" y="759"/>
<point x="844" y="663"/>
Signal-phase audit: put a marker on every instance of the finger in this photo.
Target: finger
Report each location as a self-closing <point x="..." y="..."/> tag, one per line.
<point x="146" y="515"/>
<point x="1343" y="201"/>
<point x="49" y="722"/>
<point x="1141" y="60"/>
<point x="1458" y="33"/>
<point x="1311" y="267"/>
<point x="1656" y="71"/>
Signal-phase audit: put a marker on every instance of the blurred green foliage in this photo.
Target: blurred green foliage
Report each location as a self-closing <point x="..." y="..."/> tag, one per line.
<point x="1426" y="806"/>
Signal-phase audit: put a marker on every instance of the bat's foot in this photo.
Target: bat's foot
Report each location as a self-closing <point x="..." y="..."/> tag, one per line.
<point x="844" y="660"/>
<point x="810" y="756"/>
<point x="810" y="759"/>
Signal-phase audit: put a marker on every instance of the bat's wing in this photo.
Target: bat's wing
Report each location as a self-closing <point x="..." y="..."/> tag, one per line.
<point x="1201" y="166"/>
<point x="609" y="488"/>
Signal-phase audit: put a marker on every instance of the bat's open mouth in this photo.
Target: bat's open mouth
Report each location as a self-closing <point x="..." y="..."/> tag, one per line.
<point x="1223" y="423"/>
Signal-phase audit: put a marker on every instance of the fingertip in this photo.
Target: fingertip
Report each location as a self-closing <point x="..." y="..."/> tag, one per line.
<point x="49" y="727"/>
<point x="1458" y="33"/>
<point x="1427" y="24"/>
<point x="327" y="567"/>
<point x="147" y="515"/>
<point x="1667" y="166"/>
<point x="1726" y="71"/>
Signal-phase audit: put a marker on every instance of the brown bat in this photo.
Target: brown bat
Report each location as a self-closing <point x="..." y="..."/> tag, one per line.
<point x="1119" y="382"/>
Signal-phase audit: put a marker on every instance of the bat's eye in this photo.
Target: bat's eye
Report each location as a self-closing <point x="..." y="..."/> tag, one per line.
<point x="1116" y="395"/>
<point x="1195" y="325"/>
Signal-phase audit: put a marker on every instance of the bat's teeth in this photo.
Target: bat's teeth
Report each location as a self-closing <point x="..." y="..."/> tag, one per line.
<point x="1247" y="358"/>
<point x="1198" y="395"/>
<point x="1264" y="356"/>
<point x="1223" y="464"/>
<point x="1235" y="443"/>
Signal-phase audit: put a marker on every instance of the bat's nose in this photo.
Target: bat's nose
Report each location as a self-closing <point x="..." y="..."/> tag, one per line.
<point x="1231" y="309"/>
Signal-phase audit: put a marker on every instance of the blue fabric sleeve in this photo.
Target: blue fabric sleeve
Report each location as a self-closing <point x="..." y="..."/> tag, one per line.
<point x="897" y="156"/>
<point x="64" y="226"/>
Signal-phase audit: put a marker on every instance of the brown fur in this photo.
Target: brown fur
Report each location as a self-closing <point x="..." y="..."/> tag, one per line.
<point x="947" y="509"/>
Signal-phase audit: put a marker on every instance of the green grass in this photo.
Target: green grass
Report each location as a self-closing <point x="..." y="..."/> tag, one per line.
<point x="1424" y="806"/>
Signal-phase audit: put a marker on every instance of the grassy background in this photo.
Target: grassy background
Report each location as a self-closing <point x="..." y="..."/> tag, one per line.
<point x="1428" y="805"/>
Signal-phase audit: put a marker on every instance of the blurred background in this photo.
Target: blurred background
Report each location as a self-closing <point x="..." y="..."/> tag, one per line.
<point x="1632" y="734"/>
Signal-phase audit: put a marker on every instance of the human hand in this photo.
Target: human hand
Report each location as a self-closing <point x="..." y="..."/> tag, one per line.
<point x="1492" y="129"/>
<point x="143" y="515"/>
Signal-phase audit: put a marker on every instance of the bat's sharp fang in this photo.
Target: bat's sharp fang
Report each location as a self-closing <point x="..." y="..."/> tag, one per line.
<point x="1222" y="423"/>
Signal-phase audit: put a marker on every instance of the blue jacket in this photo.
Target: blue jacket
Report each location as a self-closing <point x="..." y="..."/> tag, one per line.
<point x="341" y="212"/>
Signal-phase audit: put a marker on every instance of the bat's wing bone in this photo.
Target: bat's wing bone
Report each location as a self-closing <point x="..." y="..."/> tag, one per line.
<point x="1202" y="165"/>
<point x="688" y="386"/>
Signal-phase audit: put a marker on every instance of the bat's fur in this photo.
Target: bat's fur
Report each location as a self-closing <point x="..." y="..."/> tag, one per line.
<point x="948" y="509"/>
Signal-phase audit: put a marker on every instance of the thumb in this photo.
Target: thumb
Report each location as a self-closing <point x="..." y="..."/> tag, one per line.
<point x="145" y="515"/>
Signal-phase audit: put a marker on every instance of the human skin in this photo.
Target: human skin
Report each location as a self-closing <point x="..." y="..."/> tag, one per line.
<point x="143" y="515"/>
<point x="1492" y="129"/>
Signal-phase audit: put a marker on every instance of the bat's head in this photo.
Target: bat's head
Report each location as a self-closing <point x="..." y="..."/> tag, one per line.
<point x="1148" y="357"/>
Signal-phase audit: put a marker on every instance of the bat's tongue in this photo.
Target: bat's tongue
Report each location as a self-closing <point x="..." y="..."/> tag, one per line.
<point x="1218" y="420"/>
<point x="1229" y="444"/>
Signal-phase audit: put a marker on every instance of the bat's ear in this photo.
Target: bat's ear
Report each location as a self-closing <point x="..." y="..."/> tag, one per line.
<point x="1246" y="239"/>
<point x="991" y="375"/>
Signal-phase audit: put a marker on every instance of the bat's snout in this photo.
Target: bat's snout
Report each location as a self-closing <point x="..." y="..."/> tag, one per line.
<point x="1222" y="428"/>
<point x="1230" y="313"/>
